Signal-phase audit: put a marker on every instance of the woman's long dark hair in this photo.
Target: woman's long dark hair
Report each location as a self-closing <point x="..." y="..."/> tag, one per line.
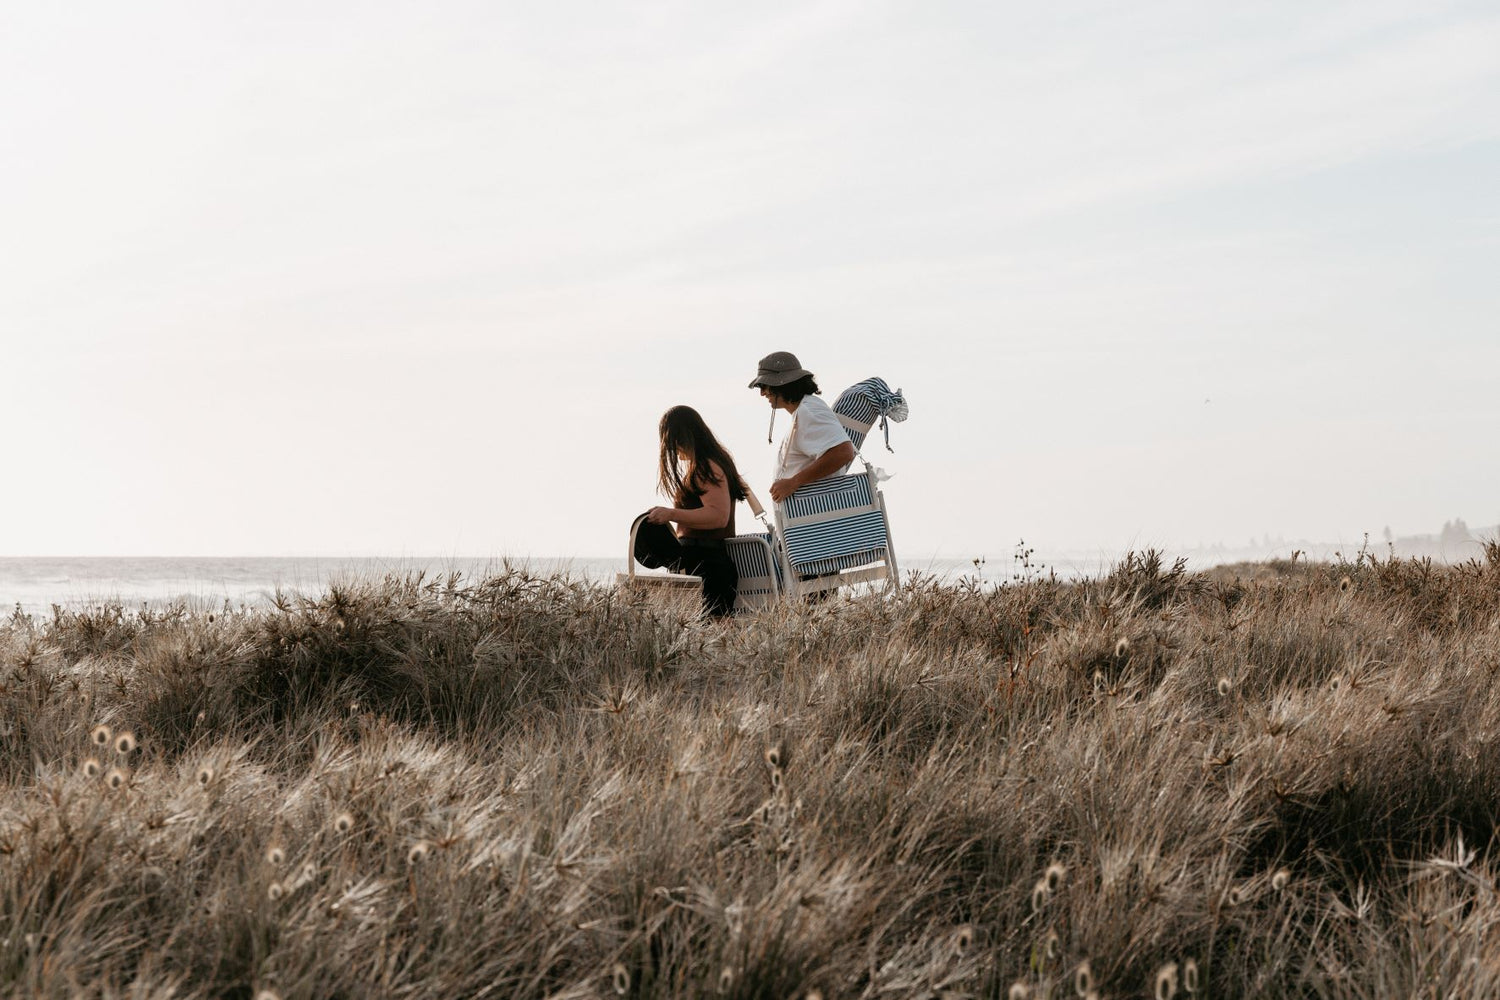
<point x="682" y="429"/>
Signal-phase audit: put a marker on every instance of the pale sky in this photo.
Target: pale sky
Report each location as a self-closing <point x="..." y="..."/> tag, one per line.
<point x="420" y="279"/>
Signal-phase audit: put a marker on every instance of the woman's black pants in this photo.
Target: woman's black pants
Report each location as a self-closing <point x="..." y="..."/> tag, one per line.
<point x="658" y="547"/>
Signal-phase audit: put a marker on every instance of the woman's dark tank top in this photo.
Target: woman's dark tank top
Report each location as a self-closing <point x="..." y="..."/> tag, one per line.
<point x="689" y="500"/>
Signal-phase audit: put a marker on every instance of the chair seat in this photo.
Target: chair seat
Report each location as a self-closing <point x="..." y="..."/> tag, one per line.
<point x="659" y="580"/>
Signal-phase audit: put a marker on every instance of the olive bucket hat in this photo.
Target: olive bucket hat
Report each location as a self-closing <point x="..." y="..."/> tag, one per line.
<point x="779" y="368"/>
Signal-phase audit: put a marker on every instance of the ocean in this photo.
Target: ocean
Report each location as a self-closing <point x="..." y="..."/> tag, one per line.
<point x="35" y="584"/>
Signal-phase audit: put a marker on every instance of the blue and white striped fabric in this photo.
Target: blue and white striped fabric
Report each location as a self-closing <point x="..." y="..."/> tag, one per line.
<point x="825" y="545"/>
<point x="753" y="561"/>
<point x="760" y="571"/>
<point x="834" y="564"/>
<point x="860" y="405"/>
<point x="833" y="493"/>
<point x="834" y="524"/>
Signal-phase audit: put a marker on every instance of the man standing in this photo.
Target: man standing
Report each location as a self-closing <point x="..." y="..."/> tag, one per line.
<point x="817" y="446"/>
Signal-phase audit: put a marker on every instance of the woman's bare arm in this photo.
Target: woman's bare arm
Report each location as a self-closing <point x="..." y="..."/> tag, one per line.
<point x="714" y="514"/>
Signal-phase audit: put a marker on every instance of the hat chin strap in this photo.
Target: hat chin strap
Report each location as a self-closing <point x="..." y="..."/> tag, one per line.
<point x="772" y="426"/>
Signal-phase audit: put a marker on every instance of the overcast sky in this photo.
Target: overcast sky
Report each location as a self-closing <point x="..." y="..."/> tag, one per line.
<point x="420" y="279"/>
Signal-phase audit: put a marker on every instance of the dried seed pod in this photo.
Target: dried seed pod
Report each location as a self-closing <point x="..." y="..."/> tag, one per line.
<point x="1039" y="896"/>
<point x="1166" y="981"/>
<point x="1083" y="979"/>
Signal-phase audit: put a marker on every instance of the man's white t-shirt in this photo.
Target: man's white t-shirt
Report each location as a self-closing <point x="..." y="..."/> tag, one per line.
<point x="815" y="429"/>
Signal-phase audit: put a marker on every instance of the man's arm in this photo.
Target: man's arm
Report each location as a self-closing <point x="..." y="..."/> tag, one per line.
<point x="823" y="466"/>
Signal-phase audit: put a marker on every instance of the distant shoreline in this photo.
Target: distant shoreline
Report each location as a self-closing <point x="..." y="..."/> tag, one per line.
<point x="35" y="583"/>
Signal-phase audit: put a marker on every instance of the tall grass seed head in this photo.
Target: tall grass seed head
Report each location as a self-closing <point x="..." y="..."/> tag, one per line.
<point x="275" y="891"/>
<point x="343" y="823"/>
<point x="776" y="778"/>
<point x="1166" y="981"/>
<point x="1039" y="895"/>
<point x="1122" y="648"/>
<point x="1083" y="979"/>
<point x="1225" y="686"/>
<point x="1018" y="991"/>
<point x="418" y="852"/>
<point x="1051" y="946"/>
<point x="125" y="743"/>
<point x="1190" y="975"/>
<point x="275" y="855"/>
<point x="775" y="756"/>
<point x="726" y="979"/>
<point x="117" y="777"/>
<point x="1054" y="876"/>
<point x="1280" y="879"/>
<point x="100" y="735"/>
<point x="1235" y="896"/>
<point x="619" y="978"/>
<point x="963" y="939"/>
<point x="205" y="774"/>
<point x="91" y="768"/>
<point x="1345" y="584"/>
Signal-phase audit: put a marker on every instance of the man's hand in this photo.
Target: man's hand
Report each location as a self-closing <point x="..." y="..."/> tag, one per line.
<point x="782" y="488"/>
<point x="659" y="515"/>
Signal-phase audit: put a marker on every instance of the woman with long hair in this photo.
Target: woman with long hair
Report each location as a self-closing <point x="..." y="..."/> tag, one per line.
<point x="699" y="476"/>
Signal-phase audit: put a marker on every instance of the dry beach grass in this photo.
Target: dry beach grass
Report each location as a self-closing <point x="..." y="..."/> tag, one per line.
<point x="1260" y="781"/>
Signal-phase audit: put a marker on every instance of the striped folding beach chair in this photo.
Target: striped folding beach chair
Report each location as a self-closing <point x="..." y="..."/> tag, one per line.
<point x="836" y="532"/>
<point x="760" y="570"/>
<point x="753" y="555"/>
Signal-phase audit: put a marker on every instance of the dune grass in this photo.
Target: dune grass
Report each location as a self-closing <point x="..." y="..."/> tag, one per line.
<point x="1265" y="780"/>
